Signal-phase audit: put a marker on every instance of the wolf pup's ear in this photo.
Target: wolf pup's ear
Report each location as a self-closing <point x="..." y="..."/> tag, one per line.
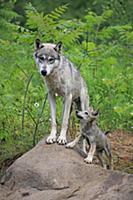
<point x="95" y="113"/>
<point x="90" y="109"/>
<point x="58" y="47"/>
<point x="38" y="43"/>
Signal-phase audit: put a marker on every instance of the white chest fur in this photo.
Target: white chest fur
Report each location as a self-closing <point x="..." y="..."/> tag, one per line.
<point x="55" y="82"/>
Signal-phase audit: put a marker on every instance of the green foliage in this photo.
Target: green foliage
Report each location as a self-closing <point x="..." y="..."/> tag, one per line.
<point x="7" y="28"/>
<point x="102" y="52"/>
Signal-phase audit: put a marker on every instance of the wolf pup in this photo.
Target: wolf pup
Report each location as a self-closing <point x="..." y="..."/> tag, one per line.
<point x="96" y="139"/>
<point x="62" y="78"/>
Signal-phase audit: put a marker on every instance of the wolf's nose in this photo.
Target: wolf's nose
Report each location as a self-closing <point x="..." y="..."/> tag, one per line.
<point x="44" y="72"/>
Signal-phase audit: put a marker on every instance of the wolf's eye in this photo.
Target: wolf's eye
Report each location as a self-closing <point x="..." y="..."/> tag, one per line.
<point x="41" y="58"/>
<point x="86" y="113"/>
<point x="51" y="60"/>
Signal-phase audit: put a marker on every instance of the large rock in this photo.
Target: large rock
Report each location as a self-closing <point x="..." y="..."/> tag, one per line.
<point x="52" y="172"/>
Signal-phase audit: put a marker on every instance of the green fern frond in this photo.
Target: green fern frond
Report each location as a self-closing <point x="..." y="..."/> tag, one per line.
<point x="38" y="21"/>
<point x="58" y="12"/>
<point x="8" y="14"/>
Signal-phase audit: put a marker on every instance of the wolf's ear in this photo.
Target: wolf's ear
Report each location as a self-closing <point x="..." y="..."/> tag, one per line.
<point x="38" y="43"/>
<point x="58" y="47"/>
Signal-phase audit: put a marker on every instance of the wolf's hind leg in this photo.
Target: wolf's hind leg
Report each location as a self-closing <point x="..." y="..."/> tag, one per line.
<point x="65" y="120"/>
<point x="84" y="98"/>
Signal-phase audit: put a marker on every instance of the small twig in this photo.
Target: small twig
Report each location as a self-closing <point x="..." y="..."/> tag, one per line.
<point x="93" y="50"/>
<point x="86" y="53"/>
<point x="38" y="120"/>
<point x="87" y="40"/>
<point x="97" y="29"/>
<point x="24" y="103"/>
<point x="31" y="115"/>
<point x="86" y="50"/>
<point x="22" y="70"/>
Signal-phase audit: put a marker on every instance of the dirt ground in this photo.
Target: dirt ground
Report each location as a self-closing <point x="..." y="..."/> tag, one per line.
<point x="122" y="148"/>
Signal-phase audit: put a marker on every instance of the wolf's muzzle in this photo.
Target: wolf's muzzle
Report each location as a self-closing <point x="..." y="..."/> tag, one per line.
<point x="44" y="72"/>
<point x="77" y="114"/>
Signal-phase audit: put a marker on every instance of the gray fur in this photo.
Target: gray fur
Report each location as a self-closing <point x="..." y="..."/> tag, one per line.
<point x="96" y="139"/>
<point x="62" y="78"/>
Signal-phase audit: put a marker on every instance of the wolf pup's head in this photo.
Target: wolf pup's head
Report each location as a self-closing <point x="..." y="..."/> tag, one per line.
<point x="47" y="56"/>
<point x="88" y="116"/>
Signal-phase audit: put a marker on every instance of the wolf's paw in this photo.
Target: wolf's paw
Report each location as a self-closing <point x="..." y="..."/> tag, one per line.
<point x="61" y="140"/>
<point x="51" y="139"/>
<point x="89" y="159"/>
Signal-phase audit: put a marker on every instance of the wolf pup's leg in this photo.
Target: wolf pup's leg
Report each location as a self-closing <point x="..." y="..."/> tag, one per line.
<point x="52" y="137"/>
<point x="90" y="155"/>
<point x="74" y="142"/>
<point x="101" y="159"/>
<point x="84" y="146"/>
<point x="109" y="156"/>
<point x="66" y="114"/>
<point x="110" y="161"/>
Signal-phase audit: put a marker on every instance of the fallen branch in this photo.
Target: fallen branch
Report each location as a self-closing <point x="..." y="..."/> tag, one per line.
<point x="38" y="120"/>
<point x="24" y="103"/>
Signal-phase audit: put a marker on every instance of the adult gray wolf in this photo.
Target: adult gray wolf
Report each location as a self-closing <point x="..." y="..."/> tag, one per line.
<point x="96" y="139"/>
<point x="62" y="78"/>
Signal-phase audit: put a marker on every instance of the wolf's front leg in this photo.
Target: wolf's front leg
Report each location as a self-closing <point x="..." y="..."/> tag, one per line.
<point x="65" y="120"/>
<point x="52" y="137"/>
